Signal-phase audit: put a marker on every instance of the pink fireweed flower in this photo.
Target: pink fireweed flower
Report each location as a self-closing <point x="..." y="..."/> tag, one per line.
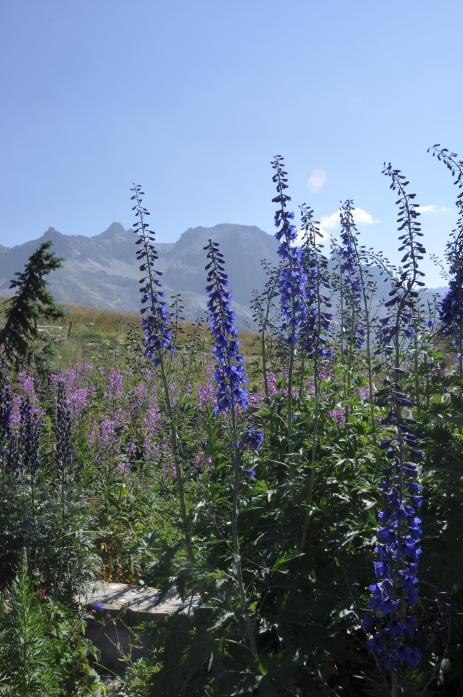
<point x="140" y="391"/>
<point x="78" y="399"/>
<point x="152" y="423"/>
<point x="200" y="460"/>
<point x="152" y="419"/>
<point x="256" y="399"/>
<point x="206" y="396"/>
<point x="114" y="383"/>
<point x="104" y="435"/>
<point x="338" y="415"/>
<point x="122" y="419"/>
<point x="132" y="448"/>
<point x="26" y="385"/>
<point x="310" y="388"/>
<point x="139" y="396"/>
<point x="15" y="411"/>
<point x="272" y="384"/>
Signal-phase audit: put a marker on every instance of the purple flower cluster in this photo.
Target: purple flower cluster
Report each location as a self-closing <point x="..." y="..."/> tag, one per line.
<point x="77" y="394"/>
<point x="206" y="395"/>
<point x="292" y="278"/>
<point x="115" y="385"/>
<point x="151" y="424"/>
<point x="338" y="415"/>
<point x="154" y="311"/>
<point x="253" y="439"/>
<point x="203" y="461"/>
<point x="395" y="591"/>
<point x="230" y="376"/>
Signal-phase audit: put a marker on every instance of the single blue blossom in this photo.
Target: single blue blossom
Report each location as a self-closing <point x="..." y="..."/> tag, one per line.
<point x="253" y="439"/>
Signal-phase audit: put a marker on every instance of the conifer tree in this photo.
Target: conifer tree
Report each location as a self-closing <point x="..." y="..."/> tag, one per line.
<point x="31" y="302"/>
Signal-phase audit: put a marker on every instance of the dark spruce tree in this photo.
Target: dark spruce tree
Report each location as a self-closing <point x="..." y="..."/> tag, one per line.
<point x="32" y="301"/>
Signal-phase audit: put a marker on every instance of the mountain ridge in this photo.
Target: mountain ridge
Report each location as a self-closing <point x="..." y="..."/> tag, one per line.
<point x="102" y="271"/>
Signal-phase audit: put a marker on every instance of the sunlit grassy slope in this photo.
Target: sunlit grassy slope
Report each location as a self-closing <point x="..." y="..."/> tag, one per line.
<point x="101" y="335"/>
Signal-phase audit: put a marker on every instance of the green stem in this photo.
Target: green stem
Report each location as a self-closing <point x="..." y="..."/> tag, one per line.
<point x="250" y="632"/>
<point x="305" y="528"/>
<point x="290" y="397"/>
<point x="179" y="476"/>
<point x="417" y="376"/>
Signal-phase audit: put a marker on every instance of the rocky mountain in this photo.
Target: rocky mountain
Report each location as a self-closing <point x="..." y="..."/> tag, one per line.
<point x="102" y="271"/>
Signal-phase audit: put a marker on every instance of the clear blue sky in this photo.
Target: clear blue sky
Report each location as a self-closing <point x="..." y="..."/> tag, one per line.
<point x="192" y="98"/>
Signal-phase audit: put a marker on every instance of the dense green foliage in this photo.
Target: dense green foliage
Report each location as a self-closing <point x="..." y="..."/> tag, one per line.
<point x="43" y="650"/>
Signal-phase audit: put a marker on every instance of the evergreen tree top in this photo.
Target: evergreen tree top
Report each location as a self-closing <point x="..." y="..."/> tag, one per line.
<point x="32" y="301"/>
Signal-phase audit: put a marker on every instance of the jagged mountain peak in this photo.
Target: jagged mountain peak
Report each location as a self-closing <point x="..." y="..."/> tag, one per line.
<point x="115" y="229"/>
<point x="222" y="232"/>
<point x="103" y="271"/>
<point x="51" y="234"/>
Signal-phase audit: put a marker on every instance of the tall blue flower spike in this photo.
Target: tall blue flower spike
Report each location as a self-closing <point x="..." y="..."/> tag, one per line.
<point x="350" y="273"/>
<point x="292" y="280"/>
<point x="30" y="433"/>
<point x="395" y="590"/>
<point x="315" y="265"/>
<point x="154" y="310"/>
<point x="230" y="376"/>
<point x="404" y="290"/>
<point x="451" y="310"/>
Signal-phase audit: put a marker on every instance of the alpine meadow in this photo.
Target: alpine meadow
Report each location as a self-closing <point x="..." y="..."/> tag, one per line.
<point x="297" y="497"/>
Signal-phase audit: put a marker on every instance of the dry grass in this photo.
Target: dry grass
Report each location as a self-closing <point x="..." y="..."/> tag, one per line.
<point x="89" y="334"/>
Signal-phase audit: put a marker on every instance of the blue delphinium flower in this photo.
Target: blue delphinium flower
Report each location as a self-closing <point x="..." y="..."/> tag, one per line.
<point x="315" y="264"/>
<point x="351" y="276"/>
<point x="154" y="310"/>
<point x="230" y="376"/>
<point x="64" y="453"/>
<point x="253" y="438"/>
<point x="395" y="590"/>
<point x="451" y="310"/>
<point x="6" y="409"/>
<point x="292" y="281"/>
<point x="403" y="295"/>
<point x="29" y="436"/>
